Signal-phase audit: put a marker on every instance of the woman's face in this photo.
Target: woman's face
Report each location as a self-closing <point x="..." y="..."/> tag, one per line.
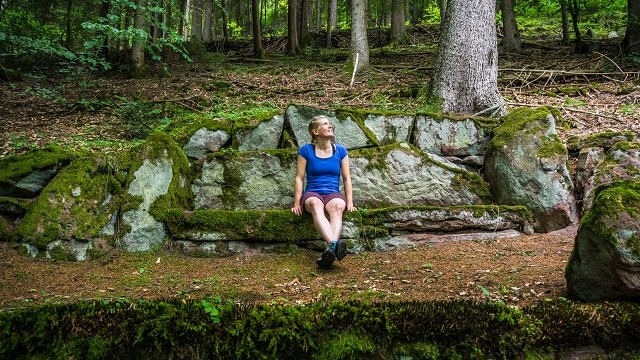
<point x="324" y="129"/>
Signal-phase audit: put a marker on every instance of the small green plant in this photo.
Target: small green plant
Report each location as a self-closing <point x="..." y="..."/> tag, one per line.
<point x="210" y="309"/>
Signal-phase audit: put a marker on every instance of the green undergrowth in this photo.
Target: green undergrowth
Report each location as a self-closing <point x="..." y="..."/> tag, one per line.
<point x="213" y="328"/>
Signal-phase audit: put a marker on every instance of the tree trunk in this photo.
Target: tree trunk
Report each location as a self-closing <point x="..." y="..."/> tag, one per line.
<point x="359" y="41"/>
<point x="332" y="11"/>
<point x="631" y="42"/>
<point x="196" y="24"/>
<point x="319" y="15"/>
<point x="303" y="20"/>
<point x="187" y="16"/>
<point x="511" y="41"/>
<point x="442" y="6"/>
<point x="137" y="49"/>
<point x="398" y="29"/>
<point x="156" y="32"/>
<point x="208" y="13"/>
<point x="69" y="35"/>
<point x="465" y="79"/>
<point x="574" y="10"/>
<point x="257" y="36"/>
<point x="565" y="22"/>
<point x="293" y="47"/>
<point x="225" y="31"/>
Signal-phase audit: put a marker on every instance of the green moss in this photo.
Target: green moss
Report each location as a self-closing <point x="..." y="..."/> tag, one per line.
<point x="481" y="122"/>
<point x="346" y="345"/>
<point x="604" y="139"/>
<point x="17" y="206"/>
<point x="181" y="130"/>
<point x="14" y="168"/>
<point x="519" y="120"/>
<point x="256" y="225"/>
<point x="61" y="253"/>
<point x="551" y="147"/>
<point x="72" y="205"/>
<point x="359" y="116"/>
<point x="609" y="203"/>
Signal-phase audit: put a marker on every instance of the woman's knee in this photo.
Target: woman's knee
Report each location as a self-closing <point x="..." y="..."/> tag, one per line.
<point x="314" y="205"/>
<point x="336" y="206"/>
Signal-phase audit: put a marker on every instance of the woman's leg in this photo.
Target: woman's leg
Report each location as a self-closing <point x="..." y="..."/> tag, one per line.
<point x="335" y="207"/>
<point x="315" y="207"/>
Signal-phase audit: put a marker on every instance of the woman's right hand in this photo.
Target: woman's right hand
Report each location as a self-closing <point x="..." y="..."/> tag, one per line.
<point x="297" y="210"/>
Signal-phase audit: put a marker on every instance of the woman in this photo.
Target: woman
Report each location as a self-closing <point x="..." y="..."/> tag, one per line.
<point x="323" y="162"/>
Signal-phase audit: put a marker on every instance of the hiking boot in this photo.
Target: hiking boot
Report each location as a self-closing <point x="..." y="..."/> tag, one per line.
<point x="326" y="259"/>
<point x="340" y="249"/>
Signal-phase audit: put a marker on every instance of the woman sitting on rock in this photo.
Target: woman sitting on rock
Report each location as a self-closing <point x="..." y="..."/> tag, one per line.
<point x="323" y="162"/>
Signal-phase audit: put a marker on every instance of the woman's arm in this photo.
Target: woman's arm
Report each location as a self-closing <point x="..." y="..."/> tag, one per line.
<point x="346" y="180"/>
<point x="297" y="187"/>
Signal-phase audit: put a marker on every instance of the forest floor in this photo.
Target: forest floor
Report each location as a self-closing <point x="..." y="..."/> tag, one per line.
<point x="594" y="92"/>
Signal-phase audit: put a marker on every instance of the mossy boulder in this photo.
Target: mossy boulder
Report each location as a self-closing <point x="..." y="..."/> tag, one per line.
<point x="605" y="261"/>
<point x="74" y="206"/>
<point x="526" y="164"/>
<point x="26" y="175"/>
<point x="621" y="162"/>
<point x="158" y="179"/>
<point x="604" y="139"/>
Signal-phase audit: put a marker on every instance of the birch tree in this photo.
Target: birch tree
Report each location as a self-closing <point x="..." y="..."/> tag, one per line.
<point x="465" y="79"/>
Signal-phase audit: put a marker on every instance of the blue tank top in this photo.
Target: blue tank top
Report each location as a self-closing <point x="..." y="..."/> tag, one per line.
<point x="323" y="175"/>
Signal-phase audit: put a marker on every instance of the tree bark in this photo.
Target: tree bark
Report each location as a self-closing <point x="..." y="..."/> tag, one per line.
<point x="137" y="49"/>
<point x="208" y="14"/>
<point x="293" y="47"/>
<point x="574" y="10"/>
<point x="631" y="42"/>
<point x="511" y="41"/>
<point x="196" y="24"/>
<point x="187" y="17"/>
<point x="225" y="31"/>
<point x="465" y="79"/>
<point x="359" y="41"/>
<point x="332" y="11"/>
<point x="319" y="15"/>
<point x="442" y="6"/>
<point x="565" y="22"/>
<point x="257" y="36"/>
<point x="398" y="29"/>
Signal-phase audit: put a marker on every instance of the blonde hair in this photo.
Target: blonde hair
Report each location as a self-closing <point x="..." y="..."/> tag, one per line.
<point x="315" y="123"/>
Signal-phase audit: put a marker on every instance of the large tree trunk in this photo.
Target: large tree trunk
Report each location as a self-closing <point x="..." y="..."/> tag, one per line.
<point x="196" y="24"/>
<point x="293" y="47"/>
<point x="319" y="15"/>
<point x="303" y="20"/>
<point x="631" y="42"/>
<point x="565" y="22"/>
<point x="398" y="29"/>
<point x="137" y="49"/>
<point x="359" y="41"/>
<point x="442" y="6"/>
<point x="465" y="79"/>
<point x="574" y="10"/>
<point x="332" y="11"/>
<point x="257" y="36"/>
<point x="511" y="40"/>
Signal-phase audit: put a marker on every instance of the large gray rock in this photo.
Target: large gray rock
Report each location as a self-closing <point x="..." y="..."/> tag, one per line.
<point x="151" y="181"/>
<point x="621" y="162"/>
<point x="347" y="131"/>
<point x="605" y="262"/>
<point x="526" y="165"/>
<point x="445" y="136"/>
<point x="25" y="176"/>
<point x="250" y="180"/>
<point x="389" y="129"/>
<point x="588" y="161"/>
<point x="401" y="175"/>
<point x="258" y="134"/>
<point x="205" y="141"/>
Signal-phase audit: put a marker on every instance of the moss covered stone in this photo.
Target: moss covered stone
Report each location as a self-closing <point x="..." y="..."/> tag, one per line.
<point x="604" y="139"/>
<point x="77" y="203"/>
